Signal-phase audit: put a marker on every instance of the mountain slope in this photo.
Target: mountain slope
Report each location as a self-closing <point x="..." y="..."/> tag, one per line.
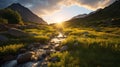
<point x="26" y="14"/>
<point x="104" y="16"/>
<point x="80" y="16"/>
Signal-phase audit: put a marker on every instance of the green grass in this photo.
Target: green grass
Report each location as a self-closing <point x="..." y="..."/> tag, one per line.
<point x="66" y="60"/>
<point x="10" y="49"/>
<point x="96" y="49"/>
<point x="42" y="35"/>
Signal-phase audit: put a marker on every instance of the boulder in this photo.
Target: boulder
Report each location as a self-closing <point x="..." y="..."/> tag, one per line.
<point x="28" y="56"/>
<point x="48" y="52"/>
<point x="57" y="47"/>
<point x="16" y="32"/>
<point x="3" y="38"/>
<point x="40" y="53"/>
<point x="3" y="27"/>
<point x="46" y="47"/>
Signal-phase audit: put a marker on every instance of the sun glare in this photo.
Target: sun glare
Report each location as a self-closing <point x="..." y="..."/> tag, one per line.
<point x="59" y="20"/>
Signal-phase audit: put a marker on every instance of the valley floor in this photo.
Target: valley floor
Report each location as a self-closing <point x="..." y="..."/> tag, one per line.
<point x="83" y="47"/>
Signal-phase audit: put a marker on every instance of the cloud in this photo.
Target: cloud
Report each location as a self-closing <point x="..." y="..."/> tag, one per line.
<point x="94" y="4"/>
<point x="5" y="3"/>
<point x="43" y="7"/>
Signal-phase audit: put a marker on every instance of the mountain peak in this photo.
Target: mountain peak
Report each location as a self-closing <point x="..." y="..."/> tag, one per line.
<point x="16" y="5"/>
<point x="27" y="15"/>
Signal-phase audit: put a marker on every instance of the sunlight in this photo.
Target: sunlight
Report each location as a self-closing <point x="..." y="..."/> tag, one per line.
<point x="59" y="20"/>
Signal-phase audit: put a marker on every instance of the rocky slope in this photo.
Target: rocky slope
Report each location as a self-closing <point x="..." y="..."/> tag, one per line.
<point x="26" y="14"/>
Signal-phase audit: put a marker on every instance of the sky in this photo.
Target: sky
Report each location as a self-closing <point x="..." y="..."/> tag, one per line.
<point x="66" y="13"/>
<point x="53" y="11"/>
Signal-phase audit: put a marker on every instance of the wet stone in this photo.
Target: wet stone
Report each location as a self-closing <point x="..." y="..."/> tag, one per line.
<point x="64" y="48"/>
<point x="54" y="59"/>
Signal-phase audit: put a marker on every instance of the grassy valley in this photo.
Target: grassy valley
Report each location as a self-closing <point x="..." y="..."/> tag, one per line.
<point x="89" y="48"/>
<point x="92" y="41"/>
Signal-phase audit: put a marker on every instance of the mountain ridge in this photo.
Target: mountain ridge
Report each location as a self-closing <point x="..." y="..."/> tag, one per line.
<point x="108" y="15"/>
<point x="26" y="14"/>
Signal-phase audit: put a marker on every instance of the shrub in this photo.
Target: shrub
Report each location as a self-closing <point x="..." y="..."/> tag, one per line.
<point x="10" y="49"/>
<point x="13" y="17"/>
<point x="3" y="21"/>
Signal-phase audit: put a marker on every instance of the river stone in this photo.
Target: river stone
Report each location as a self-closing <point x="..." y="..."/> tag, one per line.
<point x="40" y="54"/>
<point x="3" y="38"/>
<point x="16" y="32"/>
<point x="64" y="48"/>
<point x="46" y="47"/>
<point x="54" y="59"/>
<point x="57" y="47"/>
<point x="28" y="56"/>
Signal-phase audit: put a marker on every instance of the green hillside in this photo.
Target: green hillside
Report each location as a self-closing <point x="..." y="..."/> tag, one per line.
<point x="109" y="16"/>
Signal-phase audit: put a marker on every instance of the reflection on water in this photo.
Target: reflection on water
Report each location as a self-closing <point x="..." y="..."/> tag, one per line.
<point x="58" y="39"/>
<point x="60" y="35"/>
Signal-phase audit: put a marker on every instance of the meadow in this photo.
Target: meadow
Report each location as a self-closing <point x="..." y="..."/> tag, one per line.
<point x="41" y="35"/>
<point x="88" y="47"/>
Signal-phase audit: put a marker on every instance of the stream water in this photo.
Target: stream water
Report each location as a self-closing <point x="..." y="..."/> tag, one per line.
<point x="56" y="41"/>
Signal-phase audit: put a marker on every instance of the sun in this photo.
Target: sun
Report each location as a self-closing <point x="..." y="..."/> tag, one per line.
<point x="59" y="20"/>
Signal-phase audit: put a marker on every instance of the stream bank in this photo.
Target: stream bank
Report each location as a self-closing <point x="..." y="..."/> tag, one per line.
<point x="39" y="55"/>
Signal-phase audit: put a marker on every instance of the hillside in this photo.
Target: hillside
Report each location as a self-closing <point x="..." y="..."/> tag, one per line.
<point x="104" y="17"/>
<point x="26" y="14"/>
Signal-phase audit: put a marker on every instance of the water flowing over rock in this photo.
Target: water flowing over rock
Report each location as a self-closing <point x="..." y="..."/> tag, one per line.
<point x="29" y="56"/>
<point x="37" y="55"/>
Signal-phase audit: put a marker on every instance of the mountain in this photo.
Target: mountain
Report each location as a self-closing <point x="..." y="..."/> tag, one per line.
<point x="85" y="15"/>
<point x="107" y="16"/>
<point x="27" y="15"/>
<point x="80" y="16"/>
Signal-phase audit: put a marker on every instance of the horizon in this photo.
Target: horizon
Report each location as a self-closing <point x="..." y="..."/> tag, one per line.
<point x="53" y="11"/>
<point x="66" y="13"/>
